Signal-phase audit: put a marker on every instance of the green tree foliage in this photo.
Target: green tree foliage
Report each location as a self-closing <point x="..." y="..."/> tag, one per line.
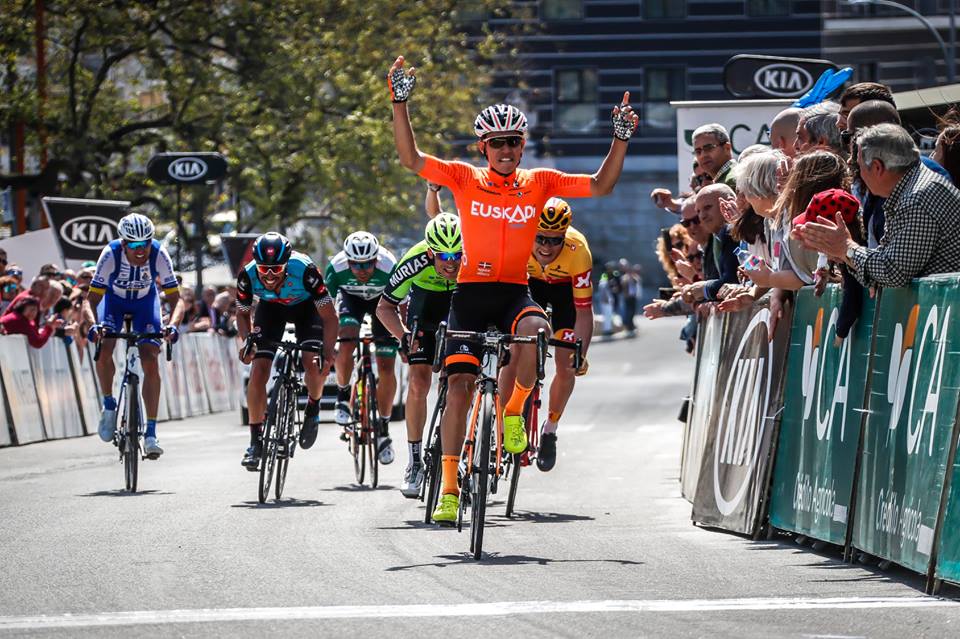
<point x="292" y="92"/>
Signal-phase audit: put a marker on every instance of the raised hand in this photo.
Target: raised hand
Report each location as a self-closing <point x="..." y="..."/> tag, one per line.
<point x="401" y="82"/>
<point x="625" y="121"/>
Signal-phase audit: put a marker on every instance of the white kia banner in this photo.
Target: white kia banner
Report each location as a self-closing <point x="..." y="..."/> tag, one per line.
<point x="83" y="227"/>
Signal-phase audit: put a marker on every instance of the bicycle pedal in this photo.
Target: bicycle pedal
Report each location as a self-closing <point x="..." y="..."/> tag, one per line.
<point x="152" y="457"/>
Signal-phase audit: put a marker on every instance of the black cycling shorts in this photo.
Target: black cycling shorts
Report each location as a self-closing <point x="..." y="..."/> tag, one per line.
<point x="559" y="297"/>
<point x="474" y="307"/>
<point x="352" y="310"/>
<point x="270" y="321"/>
<point x="428" y="309"/>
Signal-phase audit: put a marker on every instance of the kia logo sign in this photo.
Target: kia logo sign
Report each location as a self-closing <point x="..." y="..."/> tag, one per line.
<point x="783" y="80"/>
<point x="188" y="168"/>
<point x="90" y="232"/>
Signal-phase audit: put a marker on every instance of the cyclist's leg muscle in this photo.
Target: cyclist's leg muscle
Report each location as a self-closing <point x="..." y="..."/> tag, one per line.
<point x="257" y="389"/>
<point x="421" y="375"/>
<point x="106" y="369"/>
<point x="453" y="423"/>
<point x="344" y="360"/>
<point x="151" y="378"/>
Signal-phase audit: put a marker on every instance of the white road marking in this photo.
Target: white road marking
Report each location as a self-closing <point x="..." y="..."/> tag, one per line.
<point x="208" y="615"/>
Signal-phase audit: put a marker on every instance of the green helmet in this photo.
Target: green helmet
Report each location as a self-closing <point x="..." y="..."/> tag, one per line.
<point x="443" y="234"/>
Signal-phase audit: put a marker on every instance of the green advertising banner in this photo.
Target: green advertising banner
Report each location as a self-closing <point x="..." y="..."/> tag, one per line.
<point x="910" y="424"/>
<point x="948" y="557"/>
<point x="824" y="395"/>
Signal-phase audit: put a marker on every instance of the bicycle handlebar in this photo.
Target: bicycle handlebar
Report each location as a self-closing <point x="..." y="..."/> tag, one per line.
<point x="133" y="337"/>
<point x="484" y="338"/>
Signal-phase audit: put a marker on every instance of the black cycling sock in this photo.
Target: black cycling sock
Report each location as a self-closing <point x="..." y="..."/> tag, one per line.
<point x="343" y="393"/>
<point x="414" y="452"/>
<point x="313" y="407"/>
<point x="256" y="430"/>
<point x="384" y="427"/>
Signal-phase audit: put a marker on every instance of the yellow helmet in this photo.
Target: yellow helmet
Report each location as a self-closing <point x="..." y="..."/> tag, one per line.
<point x="556" y="215"/>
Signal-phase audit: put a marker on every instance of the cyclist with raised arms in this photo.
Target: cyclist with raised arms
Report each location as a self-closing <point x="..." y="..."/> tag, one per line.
<point x="499" y="206"/>
<point x="359" y="274"/>
<point x="125" y="284"/>
<point x="288" y="287"/>
<point x="559" y="270"/>
<point x="425" y="277"/>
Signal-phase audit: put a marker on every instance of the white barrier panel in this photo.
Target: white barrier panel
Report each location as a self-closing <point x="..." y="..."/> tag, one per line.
<point x="5" y="438"/>
<point x="196" y="393"/>
<point x="214" y="376"/>
<point x="21" y="389"/>
<point x="229" y="349"/>
<point x="58" y="397"/>
<point x="175" y="381"/>
<point x="86" y="382"/>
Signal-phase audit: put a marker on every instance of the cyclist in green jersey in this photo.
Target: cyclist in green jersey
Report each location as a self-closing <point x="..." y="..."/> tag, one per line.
<point x="426" y="277"/>
<point x="359" y="273"/>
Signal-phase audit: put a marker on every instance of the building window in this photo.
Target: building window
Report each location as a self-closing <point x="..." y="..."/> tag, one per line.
<point x="660" y="86"/>
<point x="575" y="96"/>
<point x="659" y="9"/>
<point x="561" y="9"/>
<point x="768" y="7"/>
<point x="867" y="72"/>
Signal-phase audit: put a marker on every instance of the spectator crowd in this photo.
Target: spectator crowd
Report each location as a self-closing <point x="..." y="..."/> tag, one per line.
<point x="842" y="194"/>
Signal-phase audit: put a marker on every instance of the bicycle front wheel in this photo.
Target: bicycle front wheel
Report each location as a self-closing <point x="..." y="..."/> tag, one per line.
<point x="358" y="435"/>
<point x="432" y="456"/>
<point x="130" y="443"/>
<point x="373" y="426"/>
<point x="481" y="474"/>
<point x="271" y="436"/>
<point x="288" y="441"/>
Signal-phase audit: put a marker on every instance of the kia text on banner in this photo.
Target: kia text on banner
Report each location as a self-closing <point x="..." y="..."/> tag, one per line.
<point x="742" y="424"/>
<point x="709" y="342"/>
<point x="913" y="407"/>
<point x="83" y="227"/>
<point x="825" y="391"/>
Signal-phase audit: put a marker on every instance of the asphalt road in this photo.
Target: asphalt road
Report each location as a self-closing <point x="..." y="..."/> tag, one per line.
<point x="601" y="546"/>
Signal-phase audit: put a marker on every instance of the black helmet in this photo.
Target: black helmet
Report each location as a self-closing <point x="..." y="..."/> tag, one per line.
<point x="271" y="249"/>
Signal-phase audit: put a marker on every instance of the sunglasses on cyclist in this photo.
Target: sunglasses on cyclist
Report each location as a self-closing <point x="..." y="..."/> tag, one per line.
<point x="136" y="246"/>
<point x="363" y="266"/>
<point x="512" y="141"/>
<point x="276" y="269"/>
<point x="548" y="240"/>
<point x="690" y="222"/>
<point x="449" y="257"/>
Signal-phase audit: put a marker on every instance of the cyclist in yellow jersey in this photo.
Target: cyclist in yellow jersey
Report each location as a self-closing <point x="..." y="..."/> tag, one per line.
<point x="559" y="269"/>
<point x="498" y="206"/>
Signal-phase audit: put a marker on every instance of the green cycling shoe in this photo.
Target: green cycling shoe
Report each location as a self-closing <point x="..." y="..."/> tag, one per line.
<point x="514" y="434"/>
<point x="446" y="510"/>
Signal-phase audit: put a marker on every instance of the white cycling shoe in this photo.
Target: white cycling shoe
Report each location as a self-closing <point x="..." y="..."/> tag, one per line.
<point x="385" y="450"/>
<point x="412" y="481"/>
<point x="108" y="425"/>
<point x="151" y="448"/>
<point x="341" y="414"/>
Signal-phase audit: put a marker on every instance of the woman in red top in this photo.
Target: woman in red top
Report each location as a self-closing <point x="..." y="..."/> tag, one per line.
<point x="22" y="320"/>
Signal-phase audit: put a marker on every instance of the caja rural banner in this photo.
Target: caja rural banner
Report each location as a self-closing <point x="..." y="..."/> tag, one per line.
<point x="741" y="427"/>
<point x="825" y="392"/>
<point x="911" y="421"/>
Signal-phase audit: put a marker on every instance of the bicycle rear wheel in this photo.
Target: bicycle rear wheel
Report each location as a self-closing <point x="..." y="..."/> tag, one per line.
<point x="432" y="455"/>
<point x="288" y="440"/>
<point x="271" y="435"/>
<point x="530" y="418"/>
<point x="373" y="424"/>
<point x="481" y="473"/>
<point x="130" y="443"/>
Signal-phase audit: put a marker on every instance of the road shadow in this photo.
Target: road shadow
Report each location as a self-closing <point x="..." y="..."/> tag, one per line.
<point x="496" y="559"/>
<point x="120" y="492"/>
<point x="417" y="524"/>
<point x="356" y="488"/>
<point x="539" y="518"/>
<point x="283" y="503"/>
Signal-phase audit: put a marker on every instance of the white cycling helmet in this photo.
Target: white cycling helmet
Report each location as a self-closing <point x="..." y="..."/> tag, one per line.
<point x="135" y="228"/>
<point x="361" y="247"/>
<point x="500" y="119"/>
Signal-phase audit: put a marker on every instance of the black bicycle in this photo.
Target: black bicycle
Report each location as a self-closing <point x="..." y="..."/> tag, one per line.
<point x="482" y="449"/>
<point x="363" y="431"/>
<point x="129" y="432"/>
<point x="432" y="454"/>
<point x="281" y="428"/>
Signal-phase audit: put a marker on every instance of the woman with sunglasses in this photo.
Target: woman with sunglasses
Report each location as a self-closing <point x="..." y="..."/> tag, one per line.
<point x="499" y="207"/>
<point x="124" y="284"/>
<point x="288" y="287"/>
<point x="426" y="277"/>
<point x="359" y="274"/>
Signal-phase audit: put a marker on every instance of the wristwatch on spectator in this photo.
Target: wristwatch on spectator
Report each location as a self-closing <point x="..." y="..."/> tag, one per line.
<point x="851" y="251"/>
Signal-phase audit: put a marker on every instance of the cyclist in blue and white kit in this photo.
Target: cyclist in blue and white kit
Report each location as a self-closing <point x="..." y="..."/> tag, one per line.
<point x="289" y="288"/>
<point x="125" y="284"/>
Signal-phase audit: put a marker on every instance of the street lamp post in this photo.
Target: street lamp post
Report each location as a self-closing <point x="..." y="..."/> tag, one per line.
<point x="948" y="56"/>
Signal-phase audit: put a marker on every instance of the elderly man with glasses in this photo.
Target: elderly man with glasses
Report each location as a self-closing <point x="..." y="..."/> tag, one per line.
<point x="712" y="149"/>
